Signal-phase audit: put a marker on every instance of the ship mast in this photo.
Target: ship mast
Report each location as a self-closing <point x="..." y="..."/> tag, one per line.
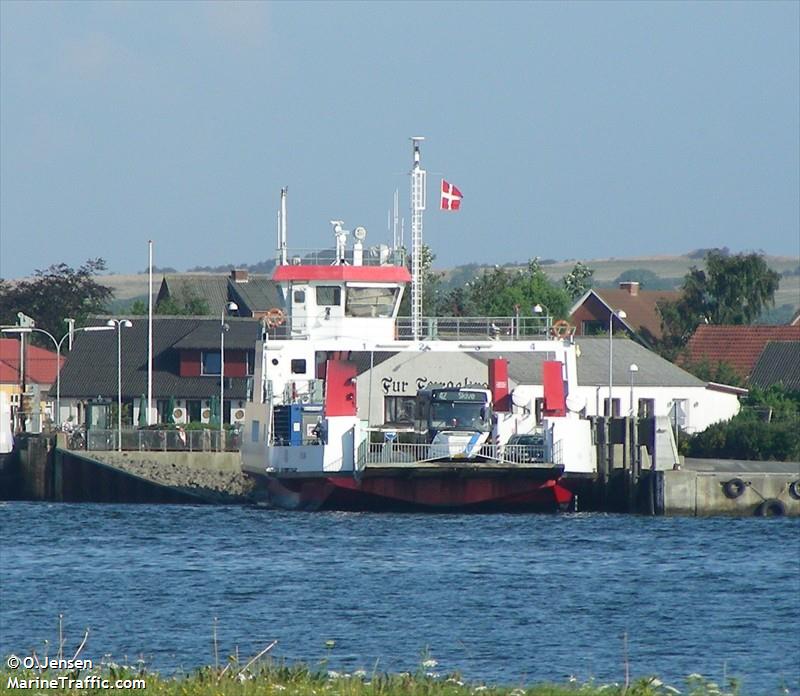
<point x="418" y="178"/>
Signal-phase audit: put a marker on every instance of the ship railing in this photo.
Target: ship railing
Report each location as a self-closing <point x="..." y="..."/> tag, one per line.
<point x="443" y="328"/>
<point x="558" y="453"/>
<point x="383" y="453"/>
<point x="372" y="256"/>
<point x="459" y="328"/>
<point x="155" y="440"/>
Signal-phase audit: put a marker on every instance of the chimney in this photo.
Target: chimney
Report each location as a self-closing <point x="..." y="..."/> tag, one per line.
<point x="239" y="275"/>
<point x="632" y="286"/>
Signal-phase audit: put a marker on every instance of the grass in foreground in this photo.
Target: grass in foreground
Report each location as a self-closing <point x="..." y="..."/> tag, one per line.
<point x="282" y="680"/>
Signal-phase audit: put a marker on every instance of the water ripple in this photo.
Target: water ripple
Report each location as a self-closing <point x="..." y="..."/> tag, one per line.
<point x="506" y="598"/>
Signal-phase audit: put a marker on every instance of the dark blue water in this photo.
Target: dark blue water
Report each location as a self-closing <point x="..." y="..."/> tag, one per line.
<point x="503" y="598"/>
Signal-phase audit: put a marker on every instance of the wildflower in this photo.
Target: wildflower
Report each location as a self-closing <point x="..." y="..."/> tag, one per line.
<point x="242" y="678"/>
<point x="333" y="674"/>
<point x="433" y="675"/>
<point x="478" y="689"/>
<point x="430" y="662"/>
<point x="279" y="687"/>
<point x="359" y="673"/>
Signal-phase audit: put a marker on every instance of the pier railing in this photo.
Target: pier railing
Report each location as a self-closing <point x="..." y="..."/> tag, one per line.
<point x="166" y="440"/>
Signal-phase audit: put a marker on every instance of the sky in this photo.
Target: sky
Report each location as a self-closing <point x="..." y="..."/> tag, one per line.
<point x="574" y="130"/>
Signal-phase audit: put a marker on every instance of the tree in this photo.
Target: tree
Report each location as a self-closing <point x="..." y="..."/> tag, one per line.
<point x="54" y="294"/>
<point x="721" y="372"/>
<point x="731" y="290"/>
<point x="502" y="292"/>
<point x="185" y="305"/>
<point x="431" y="281"/>
<point x="646" y="278"/>
<point x="578" y="280"/>
<point x="767" y="428"/>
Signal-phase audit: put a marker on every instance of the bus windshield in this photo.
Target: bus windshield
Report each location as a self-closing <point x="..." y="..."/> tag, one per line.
<point x="460" y="415"/>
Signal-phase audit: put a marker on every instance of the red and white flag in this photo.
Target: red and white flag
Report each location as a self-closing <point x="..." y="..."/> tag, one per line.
<point x="451" y="196"/>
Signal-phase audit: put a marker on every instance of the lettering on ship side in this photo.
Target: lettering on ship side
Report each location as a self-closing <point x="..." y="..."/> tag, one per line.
<point x="401" y="386"/>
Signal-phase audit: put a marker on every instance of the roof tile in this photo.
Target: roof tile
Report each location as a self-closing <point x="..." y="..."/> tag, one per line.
<point x="738" y="346"/>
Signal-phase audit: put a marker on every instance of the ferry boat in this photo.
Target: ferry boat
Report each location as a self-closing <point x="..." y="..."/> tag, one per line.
<point x="309" y="446"/>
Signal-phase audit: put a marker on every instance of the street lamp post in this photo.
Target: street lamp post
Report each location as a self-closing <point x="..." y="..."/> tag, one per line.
<point x="119" y="323"/>
<point x="223" y="327"/>
<point x="632" y="370"/>
<point x="621" y="315"/>
<point x="542" y="309"/>
<point x="58" y="343"/>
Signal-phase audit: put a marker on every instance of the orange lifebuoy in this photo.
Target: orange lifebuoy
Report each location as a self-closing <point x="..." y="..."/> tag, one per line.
<point x="560" y="328"/>
<point x="275" y="317"/>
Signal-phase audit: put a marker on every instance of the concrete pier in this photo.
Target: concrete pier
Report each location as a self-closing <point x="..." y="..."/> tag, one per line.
<point x="42" y="470"/>
<point x="632" y="477"/>
<point x="729" y="487"/>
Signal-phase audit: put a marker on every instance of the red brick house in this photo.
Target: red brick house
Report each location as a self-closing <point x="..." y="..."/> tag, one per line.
<point x="590" y="315"/>
<point x="40" y="371"/>
<point x="738" y="346"/>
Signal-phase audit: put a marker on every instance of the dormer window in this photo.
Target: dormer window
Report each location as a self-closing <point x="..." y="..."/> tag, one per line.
<point x="329" y="296"/>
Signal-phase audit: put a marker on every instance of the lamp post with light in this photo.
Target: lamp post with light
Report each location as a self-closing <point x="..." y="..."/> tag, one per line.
<point x="58" y="343"/>
<point x="542" y="309"/>
<point x="119" y="324"/>
<point x="223" y="327"/>
<point x="632" y="370"/>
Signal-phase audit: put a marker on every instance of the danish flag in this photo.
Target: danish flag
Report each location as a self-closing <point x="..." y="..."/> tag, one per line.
<point x="451" y="197"/>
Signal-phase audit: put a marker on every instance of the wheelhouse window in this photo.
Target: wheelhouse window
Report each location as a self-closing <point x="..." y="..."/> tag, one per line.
<point x="329" y="296"/>
<point x="210" y="362"/>
<point x="398" y="409"/>
<point x="370" y="302"/>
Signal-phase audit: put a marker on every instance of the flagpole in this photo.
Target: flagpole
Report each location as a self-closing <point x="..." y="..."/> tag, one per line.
<point x="150" y="334"/>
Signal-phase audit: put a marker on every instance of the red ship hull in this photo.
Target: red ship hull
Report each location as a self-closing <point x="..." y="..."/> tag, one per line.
<point x="532" y="490"/>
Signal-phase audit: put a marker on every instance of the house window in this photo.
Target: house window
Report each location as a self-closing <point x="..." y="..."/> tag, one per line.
<point x="398" y="409"/>
<point x="614" y="408"/>
<point x="162" y="409"/>
<point x="538" y="406"/>
<point x="299" y="296"/>
<point x="647" y="408"/>
<point x="194" y="410"/>
<point x="329" y="296"/>
<point x="210" y="362"/>
<point x="298" y="366"/>
<point x="251" y="361"/>
<point x="593" y="327"/>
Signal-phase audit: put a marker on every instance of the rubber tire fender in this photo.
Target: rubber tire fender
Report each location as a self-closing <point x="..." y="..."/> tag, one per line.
<point x="794" y="490"/>
<point x="771" y="507"/>
<point x="733" y="488"/>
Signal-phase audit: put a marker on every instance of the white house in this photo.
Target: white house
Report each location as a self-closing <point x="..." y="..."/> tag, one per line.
<point x="655" y="387"/>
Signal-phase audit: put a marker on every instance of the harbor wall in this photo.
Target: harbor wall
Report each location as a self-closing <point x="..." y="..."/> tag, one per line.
<point x="720" y="487"/>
